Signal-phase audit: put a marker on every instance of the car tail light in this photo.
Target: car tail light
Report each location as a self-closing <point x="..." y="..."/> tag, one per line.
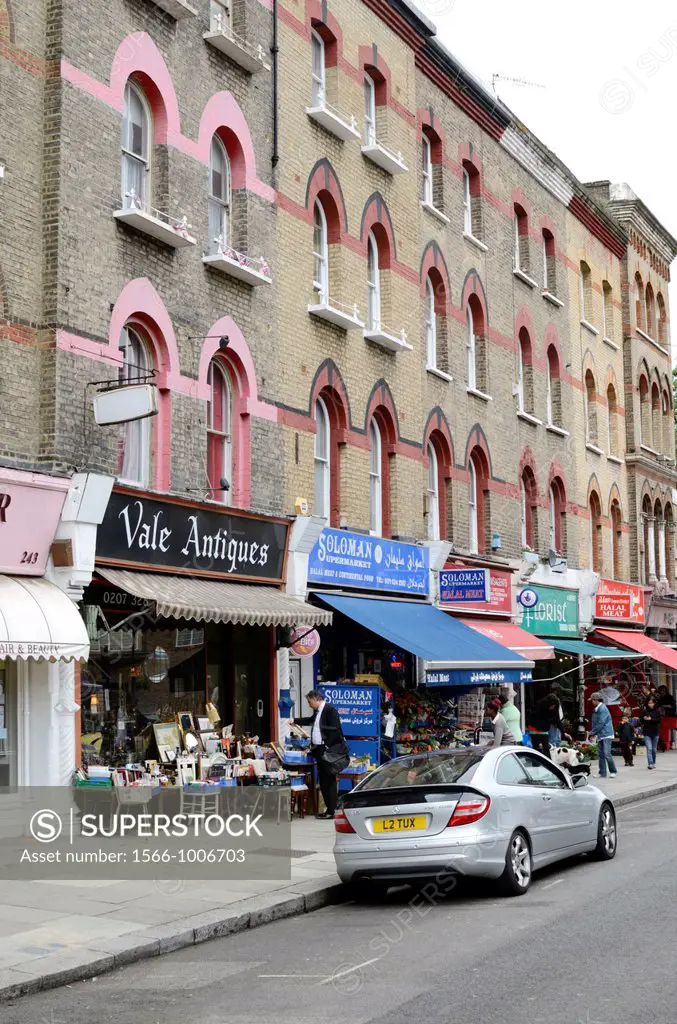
<point x="470" y="807"/>
<point x="341" y="823"/>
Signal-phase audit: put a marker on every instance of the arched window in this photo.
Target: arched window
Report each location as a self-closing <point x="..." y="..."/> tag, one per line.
<point x="529" y="495"/>
<point x="607" y="311"/>
<point x="590" y="408"/>
<point x="369" y="110"/>
<point x="668" y="427"/>
<point x="471" y="349"/>
<point x="134" y="461"/>
<point x="648" y="538"/>
<point x="650" y="312"/>
<point x="616" y="540"/>
<point x="472" y="201"/>
<point x="136" y="149"/>
<point x="374" y="284"/>
<point x="521" y="240"/>
<point x="318" y="72"/>
<point x="320" y="253"/>
<point x="662" y="321"/>
<point x="427" y="169"/>
<point x="656" y="431"/>
<point x="430" y="324"/>
<point x="219" y="197"/>
<point x="669" y="545"/>
<point x="553" y="392"/>
<point x="659" y="541"/>
<point x="585" y="285"/>
<point x="612" y="419"/>
<point x="596" y="540"/>
<point x="478" y="502"/>
<point x="433" y="493"/>
<point x="645" y="412"/>
<point x="549" y="262"/>
<point x="557" y="517"/>
<point x="525" y="373"/>
<point x="220" y="433"/>
<point x="375" y="479"/>
<point x="322" y="460"/>
<point x="640" y="309"/>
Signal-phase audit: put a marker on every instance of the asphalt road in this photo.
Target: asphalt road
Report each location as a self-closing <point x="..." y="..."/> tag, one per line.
<point x="589" y="944"/>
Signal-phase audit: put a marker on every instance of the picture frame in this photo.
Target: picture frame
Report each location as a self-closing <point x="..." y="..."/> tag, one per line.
<point x="167" y="738"/>
<point x="185" y="721"/>
<point x="204" y="724"/>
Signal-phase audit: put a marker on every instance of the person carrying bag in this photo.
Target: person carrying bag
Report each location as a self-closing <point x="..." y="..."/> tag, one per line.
<point x="328" y="746"/>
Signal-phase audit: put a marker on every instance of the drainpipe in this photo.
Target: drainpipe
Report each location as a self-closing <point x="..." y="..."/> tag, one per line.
<point x="274" y="49"/>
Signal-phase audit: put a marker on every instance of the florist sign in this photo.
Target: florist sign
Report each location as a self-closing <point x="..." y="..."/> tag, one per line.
<point x="622" y="602"/>
<point x="554" y="614"/>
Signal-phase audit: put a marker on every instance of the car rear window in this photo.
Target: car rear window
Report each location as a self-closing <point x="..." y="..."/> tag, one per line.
<point x="435" y="769"/>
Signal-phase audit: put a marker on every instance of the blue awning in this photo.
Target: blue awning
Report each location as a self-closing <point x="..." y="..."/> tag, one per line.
<point x="594" y="651"/>
<point x="455" y="654"/>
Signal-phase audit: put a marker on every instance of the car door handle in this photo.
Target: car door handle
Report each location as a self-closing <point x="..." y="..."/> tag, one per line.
<point x="546" y="797"/>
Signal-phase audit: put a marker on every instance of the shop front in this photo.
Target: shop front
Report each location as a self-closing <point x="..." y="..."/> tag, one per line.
<point x="41" y="632"/>
<point x="185" y="616"/>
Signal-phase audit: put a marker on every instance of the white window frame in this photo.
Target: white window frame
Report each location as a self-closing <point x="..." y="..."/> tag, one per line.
<point x="375" y="479"/>
<point x="226" y="431"/>
<point x="427" y="157"/>
<point x="434" y="526"/>
<point x="369" y="110"/>
<point x="430" y="325"/>
<point x="219" y="206"/>
<point x="318" y="70"/>
<point x="322" y="507"/>
<point x="520" y="376"/>
<point x="553" y="518"/>
<point x="221" y="17"/>
<point x="373" y="284"/>
<point x="473" y="524"/>
<point x="471" y="349"/>
<point x="516" y="255"/>
<point x="548" y="391"/>
<point x="137" y="433"/>
<point x="523" y="513"/>
<point x="467" y="204"/>
<point x="320" y="252"/>
<point x="129" y="158"/>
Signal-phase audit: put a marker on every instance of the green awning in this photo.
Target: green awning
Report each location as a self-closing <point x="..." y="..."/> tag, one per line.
<point x="594" y="651"/>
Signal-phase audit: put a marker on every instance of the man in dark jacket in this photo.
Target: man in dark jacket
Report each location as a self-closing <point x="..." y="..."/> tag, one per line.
<point x="326" y="736"/>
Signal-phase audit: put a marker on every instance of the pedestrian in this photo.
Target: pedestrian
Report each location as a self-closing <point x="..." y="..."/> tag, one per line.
<point x="665" y="701"/>
<point x="512" y="716"/>
<point x="548" y="716"/>
<point x="626" y="737"/>
<point x="650" y="720"/>
<point x="602" y="731"/>
<point x="503" y="737"/>
<point x="326" y="737"/>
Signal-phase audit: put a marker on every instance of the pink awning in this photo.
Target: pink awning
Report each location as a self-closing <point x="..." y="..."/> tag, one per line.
<point x="646" y="645"/>
<point x="514" y="638"/>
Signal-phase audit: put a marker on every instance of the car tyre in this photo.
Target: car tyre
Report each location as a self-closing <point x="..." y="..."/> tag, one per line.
<point x="607" y="834"/>
<point x="516" y="877"/>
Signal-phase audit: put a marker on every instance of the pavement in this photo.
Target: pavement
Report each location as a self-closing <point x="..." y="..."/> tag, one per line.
<point x="590" y="943"/>
<point x="56" y="933"/>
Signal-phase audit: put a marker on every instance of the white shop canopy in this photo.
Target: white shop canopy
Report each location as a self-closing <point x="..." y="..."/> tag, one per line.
<point x="205" y="600"/>
<point x="39" y="622"/>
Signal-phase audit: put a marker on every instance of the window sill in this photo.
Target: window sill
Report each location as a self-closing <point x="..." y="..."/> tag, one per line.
<point x="434" y="372"/>
<point x="528" y="418"/>
<point x="250" y="58"/>
<point x="549" y="297"/>
<point x="148" y="224"/>
<point x="614" y="458"/>
<point x="522" y="276"/>
<point x="333" y="122"/>
<point x="331" y="313"/>
<point x="479" y="394"/>
<point x="560" y="431"/>
<point x="611" y="344"/>
<point x="434" y="212"/>
<point x="475" y="241"/>
<point x="391" y="163"/>
<point x="589" y="327"/>
<point x="649" y="451"/>
<point x="647" y="337"/>
<point x="176" y="8"/>
<point x="595" y="449"/>
<point x="239" y="266"/>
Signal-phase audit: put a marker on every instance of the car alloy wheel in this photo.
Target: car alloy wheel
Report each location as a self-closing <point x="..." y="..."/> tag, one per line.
<point x="608" y="827"/>
<point x="520" y="860"/>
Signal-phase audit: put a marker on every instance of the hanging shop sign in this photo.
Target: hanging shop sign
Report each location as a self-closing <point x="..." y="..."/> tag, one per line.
<point x="620" y="602"/>
<point x="30" y="510"/>
<point x="477" y="677"/>
<point x="499" y="600"/>
<point x="555" y="613"/>
<point x="168" y="535"/>
<point x="359" y="707"/>
<point x="464" y="585"/>
<point x="306" y="641"/>
<point x="347" y="559"/>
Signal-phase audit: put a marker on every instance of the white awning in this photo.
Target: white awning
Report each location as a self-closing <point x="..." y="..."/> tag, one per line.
<point x="39" y="622"/>
<point x="187" y="597"/>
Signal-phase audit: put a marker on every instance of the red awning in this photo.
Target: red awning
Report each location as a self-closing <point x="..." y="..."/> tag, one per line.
<point x="636" y="641"/>
<point x="514" y="638"/>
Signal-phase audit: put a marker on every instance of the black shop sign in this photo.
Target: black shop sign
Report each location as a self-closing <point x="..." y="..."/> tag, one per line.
<point x="173" y="536"/>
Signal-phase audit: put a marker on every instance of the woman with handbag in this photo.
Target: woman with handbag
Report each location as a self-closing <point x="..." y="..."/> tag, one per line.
<point x="328" y="747"/>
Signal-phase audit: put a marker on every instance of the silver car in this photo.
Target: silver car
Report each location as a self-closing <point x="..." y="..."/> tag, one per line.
<point x="498" y="813"/>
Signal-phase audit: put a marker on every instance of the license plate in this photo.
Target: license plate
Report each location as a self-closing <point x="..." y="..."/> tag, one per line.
<point x="400" y="824"/>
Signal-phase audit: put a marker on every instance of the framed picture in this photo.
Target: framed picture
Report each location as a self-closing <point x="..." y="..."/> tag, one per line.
<point x="185" y="720"/>
<point x="204" y="725"/>
<point x="168" y="738"/>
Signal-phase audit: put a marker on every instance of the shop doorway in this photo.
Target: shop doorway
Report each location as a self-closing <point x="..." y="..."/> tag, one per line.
<point x="8" y="725"/>
<point x="252" y="687"/>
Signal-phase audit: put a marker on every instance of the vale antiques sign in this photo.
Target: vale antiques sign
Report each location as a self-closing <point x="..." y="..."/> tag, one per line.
<point x="168" y="535"/>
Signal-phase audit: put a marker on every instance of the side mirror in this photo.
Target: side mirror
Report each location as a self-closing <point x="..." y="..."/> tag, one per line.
<point x="580" y="782"/>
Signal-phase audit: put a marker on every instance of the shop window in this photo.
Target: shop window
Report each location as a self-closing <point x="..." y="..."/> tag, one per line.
<point x="596" y="540"/>
<point x="553" y="393"/>
<point x="549" y="262"/>
<point x="220" y="433"/>
<point x="134" y="455"/>
<point x="322" y="460"/>
<point x="529" y="512"/>
<point x="590" y="395"/>
<point x="219" y="197"/>
<point x="616" y="540"/>
<point x="136" y="149"/>
<point x="612" y="419"/>
<point x="521" y="259"/>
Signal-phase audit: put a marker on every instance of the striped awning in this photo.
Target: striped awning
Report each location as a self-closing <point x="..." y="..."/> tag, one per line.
<point x="38" y="622"/>
<point x="202" y="600"/>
